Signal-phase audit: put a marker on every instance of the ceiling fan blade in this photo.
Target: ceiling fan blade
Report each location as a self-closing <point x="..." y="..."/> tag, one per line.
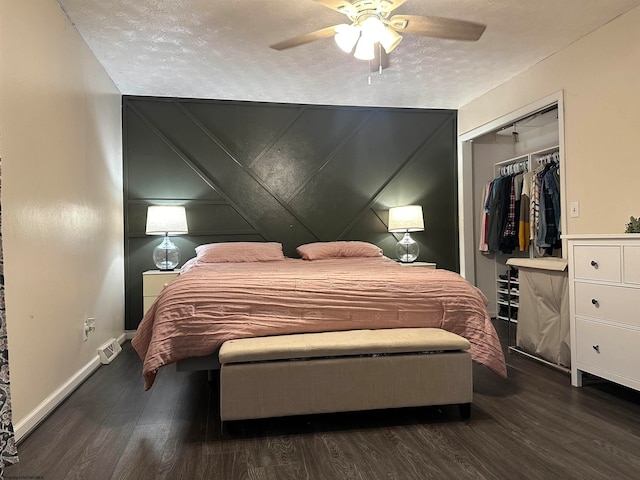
<point x="306" y="38"/>
<point x="337" y="5"/>
<point x="438" y="27"/>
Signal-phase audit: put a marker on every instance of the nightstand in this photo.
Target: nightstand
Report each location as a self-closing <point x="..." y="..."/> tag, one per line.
<point x="153" y="281"/>
<point x="418" y="264"/>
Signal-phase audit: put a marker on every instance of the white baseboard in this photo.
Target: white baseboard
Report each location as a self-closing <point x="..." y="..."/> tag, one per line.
<point x="129" y="334"/>
<point x="33" y="419"/>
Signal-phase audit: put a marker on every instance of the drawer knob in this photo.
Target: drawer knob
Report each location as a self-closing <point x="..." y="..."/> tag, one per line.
<point x="595" y="302"/>
<point x="596" y="348"/>
<point x="594" y="264"/>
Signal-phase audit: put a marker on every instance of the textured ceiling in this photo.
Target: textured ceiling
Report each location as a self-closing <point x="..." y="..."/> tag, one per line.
<point x="218" y="49"/>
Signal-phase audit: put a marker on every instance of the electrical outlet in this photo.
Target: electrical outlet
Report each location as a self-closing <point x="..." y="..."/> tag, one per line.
<point x="89" y="326"/>
<point x="575" y="209"/>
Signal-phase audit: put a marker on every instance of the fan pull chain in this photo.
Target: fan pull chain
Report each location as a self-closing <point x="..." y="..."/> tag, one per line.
<point x="369" y="77"/>
<point x="379" y="58"/>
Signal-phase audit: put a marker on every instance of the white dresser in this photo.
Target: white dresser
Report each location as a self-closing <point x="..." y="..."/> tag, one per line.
<point x="604" y="276"/>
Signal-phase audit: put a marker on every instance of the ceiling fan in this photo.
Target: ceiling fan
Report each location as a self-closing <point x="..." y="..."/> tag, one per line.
<point x="372" y="24"/>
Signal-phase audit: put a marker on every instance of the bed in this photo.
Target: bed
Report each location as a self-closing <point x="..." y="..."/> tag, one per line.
<point x="232" y="291"/>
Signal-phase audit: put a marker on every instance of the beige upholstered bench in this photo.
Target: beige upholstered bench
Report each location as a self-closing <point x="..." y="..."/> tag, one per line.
<point x="344" y="371"/>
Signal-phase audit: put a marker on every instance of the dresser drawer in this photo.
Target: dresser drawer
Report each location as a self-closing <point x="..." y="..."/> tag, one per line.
<point x="611" y="349"/>
<point x="600" y="262"/>
<point x="631" y="265"/>
<point x="608" y="302"/>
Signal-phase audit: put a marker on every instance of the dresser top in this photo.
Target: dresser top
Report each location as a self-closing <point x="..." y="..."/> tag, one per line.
<point x="603" y="236"/>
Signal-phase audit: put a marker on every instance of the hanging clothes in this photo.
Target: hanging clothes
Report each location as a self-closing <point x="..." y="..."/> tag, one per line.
<point x="548" y="234"/>
<point x="545" y="208"/>
<point x="522" y="209"/>
<point x="500" y="214"/>
<point x="524" y="228"/>
<point x="498" y="211"/>
<point x="534" y="206"/>
<point x="509" y="233"/>
<point x="484" y="218"/>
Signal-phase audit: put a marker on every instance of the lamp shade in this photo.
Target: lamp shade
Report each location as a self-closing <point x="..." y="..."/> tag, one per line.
<point x="406" y="219"/>
<point x="166" y="219"/>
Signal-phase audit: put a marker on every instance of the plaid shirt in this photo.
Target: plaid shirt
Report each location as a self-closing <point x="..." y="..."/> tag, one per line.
<point x="510" y="228"/>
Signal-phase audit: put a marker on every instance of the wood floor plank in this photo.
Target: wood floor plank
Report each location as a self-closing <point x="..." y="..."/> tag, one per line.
<point x="143" y="455"/>
<point x="531" y="426"/>
<point x="278" y="472"/>
<point x="323" y="460"/>
<point x="103" y="451"/>
<point x="71" y="431"/>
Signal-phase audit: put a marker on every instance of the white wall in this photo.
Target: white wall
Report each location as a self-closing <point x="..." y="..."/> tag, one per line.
<point x="599" y="76"/>
<point x="60" y="124"/>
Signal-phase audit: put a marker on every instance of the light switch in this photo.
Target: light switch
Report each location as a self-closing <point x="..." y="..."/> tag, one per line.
<point x="575" y="209"/>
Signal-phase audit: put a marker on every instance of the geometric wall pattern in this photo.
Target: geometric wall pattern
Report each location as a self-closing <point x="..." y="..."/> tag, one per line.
<point x="249" y="171"/>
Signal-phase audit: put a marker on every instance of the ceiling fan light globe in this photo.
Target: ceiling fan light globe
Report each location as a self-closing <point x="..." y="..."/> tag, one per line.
<point x="390" y="39"/>
<point x="346" y="37"/>
<point x="372" y="28"/>
<point x="364" y="49"/>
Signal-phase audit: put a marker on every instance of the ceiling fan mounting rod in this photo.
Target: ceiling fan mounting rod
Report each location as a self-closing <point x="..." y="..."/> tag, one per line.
<point x="378" y="8"/>
<point x="363" y="16"/>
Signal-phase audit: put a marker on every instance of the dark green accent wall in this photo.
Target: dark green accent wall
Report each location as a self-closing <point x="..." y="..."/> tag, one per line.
<point x="295" y="174"/>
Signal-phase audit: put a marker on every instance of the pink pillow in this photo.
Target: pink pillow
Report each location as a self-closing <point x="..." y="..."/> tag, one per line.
<point x="324" y="250"/>
<point x="239" y="252"/>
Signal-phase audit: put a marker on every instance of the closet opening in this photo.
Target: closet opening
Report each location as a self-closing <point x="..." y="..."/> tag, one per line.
<point x="512" y="205"/>
<point x="482" y="152"/>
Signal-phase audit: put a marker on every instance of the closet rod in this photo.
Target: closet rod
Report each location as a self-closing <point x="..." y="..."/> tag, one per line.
<point x="521" y="158"/>
<point x="549" y="158"/>
<point x="524" y="120"/>
<point x="515" y="167"/>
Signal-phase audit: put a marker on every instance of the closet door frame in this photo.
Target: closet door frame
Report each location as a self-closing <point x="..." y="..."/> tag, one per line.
<point x="467" y="208"/>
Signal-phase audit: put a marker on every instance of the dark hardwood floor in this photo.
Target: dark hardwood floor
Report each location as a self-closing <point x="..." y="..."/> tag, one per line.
<point x="533" y="425"/>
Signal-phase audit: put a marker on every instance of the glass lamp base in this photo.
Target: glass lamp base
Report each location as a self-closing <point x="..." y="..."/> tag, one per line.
<point x="166" y="256"/>
<point x="407" y="249"/>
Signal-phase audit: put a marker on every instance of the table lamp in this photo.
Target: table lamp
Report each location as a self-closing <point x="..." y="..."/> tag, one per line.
<point x="166" y="220"/>
<point x="406" y="219"/>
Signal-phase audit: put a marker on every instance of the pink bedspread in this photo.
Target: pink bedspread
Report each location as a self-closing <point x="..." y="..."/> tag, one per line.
<point x="213" y="303"/>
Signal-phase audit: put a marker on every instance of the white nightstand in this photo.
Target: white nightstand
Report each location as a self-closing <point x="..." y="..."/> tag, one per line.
<point x="153" y="281"/>
<point x="418" y="264"/>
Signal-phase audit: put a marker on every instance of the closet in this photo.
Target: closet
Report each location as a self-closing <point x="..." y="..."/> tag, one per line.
<point x="520" y="209"/>
<point x="517" y="192"/>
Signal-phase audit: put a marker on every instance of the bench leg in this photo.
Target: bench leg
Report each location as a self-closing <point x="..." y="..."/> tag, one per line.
<point x="465" y="410"/>
<point x="224" y="430"/>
